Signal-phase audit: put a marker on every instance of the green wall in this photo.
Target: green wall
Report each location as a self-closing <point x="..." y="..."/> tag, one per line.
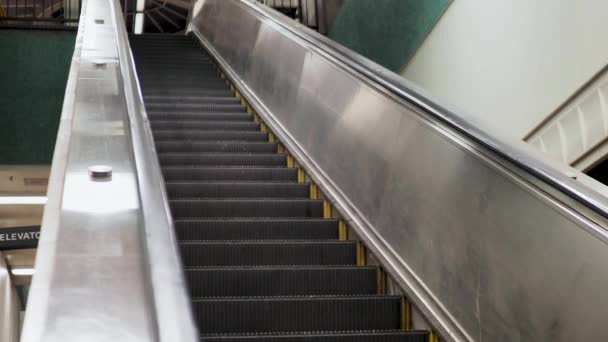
<point x="34" y="66"/>
<point x="386" y="31"/>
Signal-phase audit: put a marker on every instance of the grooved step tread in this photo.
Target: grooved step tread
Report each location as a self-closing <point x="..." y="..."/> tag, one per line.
<point x="266" y="253"/>
<point x="204" y="125"/>
<point x="256" y="229"/>
<point x="238" y="190"/>
<point x="223" y="159"/>
<point x="248" y="174"/>
<point x="282" y="281"/>
<point x="217" y="208"/>
<point x="202" y="135"/>
<point x="345" y="336"/>
<point x="286" y="314"/>
<point x="216" y="146"/>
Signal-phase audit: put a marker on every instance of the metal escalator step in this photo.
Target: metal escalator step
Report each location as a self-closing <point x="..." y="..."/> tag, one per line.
<point x="268" y="253"/>
<point x="156" y="114"/>
<point x="216" y="146"/>
<point x="193" y="208"/>
<point x="206" y="79"/>
<point x="257" y="229"/>
<point x="282" y="281"/>
<point x="204" y="125"/>
<point x="286" y="314"/>
<point x="214" y="85"/>
<point x="223" y="159"/>
<point x="238" y="190"/>
<point x="192" y="99"/>
<point x="183" y="91"/>
<point x="161" y="135"/>
<point x="185" y="52"/>
<point x="350" y="336"/>
<point x="189" y="107"/>
<point x="154" y="66"/>
<point x="205" y="74"/>
<point x="212" y="174"/>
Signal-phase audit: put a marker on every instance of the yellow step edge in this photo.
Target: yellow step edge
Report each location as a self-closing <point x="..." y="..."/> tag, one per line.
<point x="326" y="210"/>
<point x="301" y="175"/>
<point x="342" y="231"/>
<point x="380" y="281"/>
<point x="360" y="254"/>
<point x="314" y="192"/>
<point x="433" y="337"/>
<point x="406" y="314"/>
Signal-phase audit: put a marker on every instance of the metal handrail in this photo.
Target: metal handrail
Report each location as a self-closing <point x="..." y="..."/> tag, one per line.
<point x="515" y="152"/>
<point x="174" y="317"/>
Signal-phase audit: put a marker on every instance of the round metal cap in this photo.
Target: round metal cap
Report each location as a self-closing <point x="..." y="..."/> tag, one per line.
<point x="100" y="171"/>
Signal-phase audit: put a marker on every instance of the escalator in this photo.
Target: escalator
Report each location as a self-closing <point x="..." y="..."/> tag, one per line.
<point x="263" y="257"/>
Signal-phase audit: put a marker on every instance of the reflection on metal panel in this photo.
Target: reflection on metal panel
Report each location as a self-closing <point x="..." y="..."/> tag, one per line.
<point x="9" y="306"/>
<point x="487" y="251"/>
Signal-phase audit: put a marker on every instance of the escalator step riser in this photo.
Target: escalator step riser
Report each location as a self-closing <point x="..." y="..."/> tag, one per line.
<point x="172" y="107"/>
<point x="277" y="253"/>
<point x="194" y="208"/>
<point x="185" y="91"/>
<point x="294" y="281"/>
<point x="318" y="229"/>
<point x="204" y="125"/>
<point x="356" y="336"/>
<point x="297" y="314"/>
<point x="198" y="75"/>
<point x="237" y="190"/>
<point x="207" y="80"/>
<point x="210" y="136"/>
<point x="167" y="116"/>
<point x="228" y="174"/>
<point x="216" y="147"/>
<point x="192" y="99"/>
<point x="220" y="159"/>
<point x="204" y="86"/>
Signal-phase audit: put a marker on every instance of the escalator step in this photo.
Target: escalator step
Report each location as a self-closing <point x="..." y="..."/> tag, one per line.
<point x="260" y="229"/>
<point x="353" y="336"/>
<point x="198" y="125"/>
<point x="202" y="99"/>
<point x="282" y="281"/>
<point x="204" y="125"/>
<point x="224" y="159"/>
<point x="195" y="208"/>
<point x="207" y="115"/>
<point x="201" y="135"/>
<point x="186" y="146"/>
<point x="196" y="107"/>
<point x="268" y="253"/>
<point x="285" y="314"/>
<point x="238" y="190"/>
<point x="186" y="91"/>
<point x="212" y="174"/>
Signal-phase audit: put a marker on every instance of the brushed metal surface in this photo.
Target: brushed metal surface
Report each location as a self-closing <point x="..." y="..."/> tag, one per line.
<point x="10" y="307"/>
<point x="490" y="246"/>
<point x="101" y="272"/>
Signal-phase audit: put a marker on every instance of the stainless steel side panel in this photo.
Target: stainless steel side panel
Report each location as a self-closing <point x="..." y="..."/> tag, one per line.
<point x="485" y="250"/>
<point x="107" y="267"/>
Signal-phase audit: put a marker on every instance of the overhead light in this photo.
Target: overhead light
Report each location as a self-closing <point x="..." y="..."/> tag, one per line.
<point x="139" y="23"/>
<point x="23" y="271"/>
<point x="12" y="200"/>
